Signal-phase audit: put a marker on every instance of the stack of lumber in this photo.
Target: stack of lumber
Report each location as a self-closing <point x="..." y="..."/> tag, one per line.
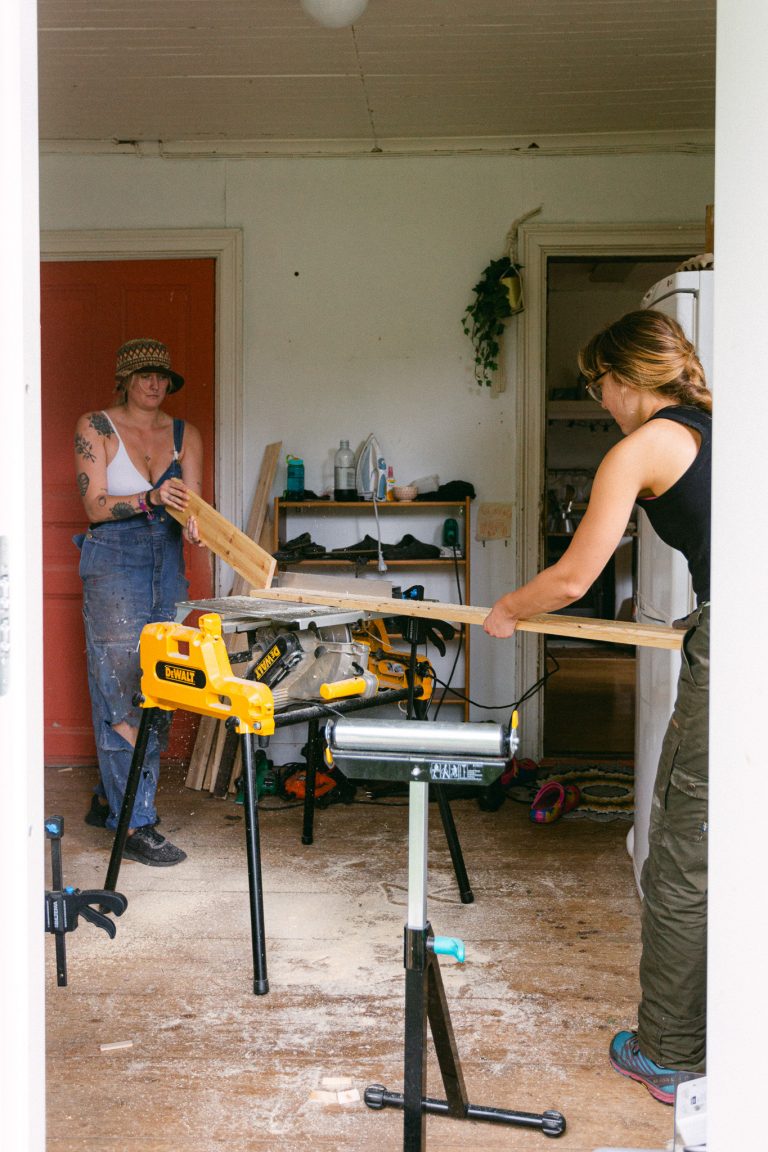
<point x="248" y="555"/>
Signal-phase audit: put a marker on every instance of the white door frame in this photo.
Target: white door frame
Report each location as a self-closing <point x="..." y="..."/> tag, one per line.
<point x="225" y="246"/>
<point x="537" y="243"/>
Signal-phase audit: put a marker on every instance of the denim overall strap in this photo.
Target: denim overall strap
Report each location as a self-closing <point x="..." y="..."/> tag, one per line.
<point x="174" y="468"/>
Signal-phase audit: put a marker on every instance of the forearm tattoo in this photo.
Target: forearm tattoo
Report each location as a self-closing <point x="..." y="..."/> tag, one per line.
<point x="83" y="481"/>
<point x="100" y="424"/>
<point x="84" y="448"/>
<point x="122" y="511"/>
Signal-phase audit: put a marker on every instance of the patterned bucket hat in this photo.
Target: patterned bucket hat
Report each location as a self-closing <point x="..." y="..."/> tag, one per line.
<point x="141" y="355"/>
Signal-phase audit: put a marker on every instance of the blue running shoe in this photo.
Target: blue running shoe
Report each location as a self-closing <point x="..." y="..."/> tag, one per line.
<point x="626" y="1057"/>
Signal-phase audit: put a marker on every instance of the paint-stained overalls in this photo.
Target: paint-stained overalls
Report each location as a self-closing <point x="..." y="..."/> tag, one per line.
<point x="133" y="574"/>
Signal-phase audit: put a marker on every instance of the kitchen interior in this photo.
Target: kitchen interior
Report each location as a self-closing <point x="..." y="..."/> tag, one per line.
<point x="589" y="703"/>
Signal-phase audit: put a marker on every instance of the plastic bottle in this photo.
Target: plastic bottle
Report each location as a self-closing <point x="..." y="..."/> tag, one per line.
<point x="390" y="483"/>
<point x="381" y="479"/>
<point x="294" y="484"/>
<point x="344" y="473"/>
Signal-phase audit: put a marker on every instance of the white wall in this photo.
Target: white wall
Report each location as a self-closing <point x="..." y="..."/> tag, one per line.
<point x="22" y="955"/>
<point x="367" y="337"/>
<point x="738" y="950"/>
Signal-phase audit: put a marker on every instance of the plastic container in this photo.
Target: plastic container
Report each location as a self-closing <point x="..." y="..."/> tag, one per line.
<point x="390" y="483"/>
<point x="294" y="482"/>
<point x="344" y="473"/>
<point x="381" y="479"/>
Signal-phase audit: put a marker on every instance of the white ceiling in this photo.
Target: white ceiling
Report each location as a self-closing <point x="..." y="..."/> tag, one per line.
<point x="260" y="75"/>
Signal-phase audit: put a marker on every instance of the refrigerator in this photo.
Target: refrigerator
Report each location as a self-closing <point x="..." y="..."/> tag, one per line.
<point x="664" y="592"/>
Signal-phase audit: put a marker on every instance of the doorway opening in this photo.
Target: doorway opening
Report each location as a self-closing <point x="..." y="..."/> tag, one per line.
<point x="589" y="704"/>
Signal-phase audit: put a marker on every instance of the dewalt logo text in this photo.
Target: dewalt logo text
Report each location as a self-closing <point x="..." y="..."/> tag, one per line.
<point x="180" y="674"/>
<point x="266" y="662"/>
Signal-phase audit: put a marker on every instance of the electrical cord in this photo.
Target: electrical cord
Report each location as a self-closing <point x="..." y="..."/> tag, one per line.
<point x="529" y="692"/>
<point x="382" y="567"/>
<point x="460" y="646"/>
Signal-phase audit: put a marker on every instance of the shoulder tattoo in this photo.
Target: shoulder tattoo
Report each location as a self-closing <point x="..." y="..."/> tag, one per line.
<point x="84" y="448"/>
<point x="100" y="423"/>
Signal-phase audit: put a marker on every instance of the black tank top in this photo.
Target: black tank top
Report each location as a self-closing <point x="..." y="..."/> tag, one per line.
<point x="681" y="516"/>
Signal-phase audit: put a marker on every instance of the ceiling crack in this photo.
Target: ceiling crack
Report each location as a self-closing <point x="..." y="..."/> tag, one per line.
<point x="368" y="109"/>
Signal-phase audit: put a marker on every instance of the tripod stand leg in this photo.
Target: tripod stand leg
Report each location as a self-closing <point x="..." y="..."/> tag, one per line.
<point x="444" y="1040"/>
<point x="454" y="847"/>
<point x="253" y="850"/>
<point x="148" y="716"/>
<point x="425" y="1000"/>
<point x="415" y="1054"/>
<point x="313" y="759"/>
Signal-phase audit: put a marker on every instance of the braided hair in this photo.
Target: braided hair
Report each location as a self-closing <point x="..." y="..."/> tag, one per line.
<point x="648" y="351"/>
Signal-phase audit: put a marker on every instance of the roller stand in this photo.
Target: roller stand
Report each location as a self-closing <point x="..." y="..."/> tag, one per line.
<point x="364" y="752"/>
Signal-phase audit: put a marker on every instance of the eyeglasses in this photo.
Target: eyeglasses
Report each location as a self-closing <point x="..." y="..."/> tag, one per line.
<point x="595" y="389"/>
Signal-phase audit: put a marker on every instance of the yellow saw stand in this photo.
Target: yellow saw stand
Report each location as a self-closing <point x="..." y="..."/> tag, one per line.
<point x="189" y="668"/>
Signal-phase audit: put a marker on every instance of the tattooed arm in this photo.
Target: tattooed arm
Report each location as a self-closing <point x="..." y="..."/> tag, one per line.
<point x="92" y="434"/>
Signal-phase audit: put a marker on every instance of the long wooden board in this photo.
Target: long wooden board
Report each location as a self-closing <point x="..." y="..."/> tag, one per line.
<point x="204" y="762"/>
<point x="546" y="623"/>
<point x="260" y="505"/>
<point x="245" y="556"/>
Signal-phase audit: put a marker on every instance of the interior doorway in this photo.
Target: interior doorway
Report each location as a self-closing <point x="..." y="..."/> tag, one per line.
<point x="88" y="308"/>
<point x="589" y="704"/>
<point x="538" y="244"/>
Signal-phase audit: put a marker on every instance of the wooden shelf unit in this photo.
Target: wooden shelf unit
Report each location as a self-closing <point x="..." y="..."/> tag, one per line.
<point x="354" y="519"/>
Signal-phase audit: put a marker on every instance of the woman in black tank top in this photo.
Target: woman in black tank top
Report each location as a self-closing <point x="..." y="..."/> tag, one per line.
<point x="645" y="373"/>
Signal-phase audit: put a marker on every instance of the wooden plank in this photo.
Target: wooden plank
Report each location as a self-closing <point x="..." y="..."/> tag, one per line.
<point x="198" y="761"/>
<point x="213" y="763"/>
<point x="545" y="623"/>
<point x="245" y="556"/>
<point x="203" y="764"/>
<point x="260" y="506"/>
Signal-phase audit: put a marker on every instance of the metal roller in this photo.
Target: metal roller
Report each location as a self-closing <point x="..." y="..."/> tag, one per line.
<point x="421" y="738"/>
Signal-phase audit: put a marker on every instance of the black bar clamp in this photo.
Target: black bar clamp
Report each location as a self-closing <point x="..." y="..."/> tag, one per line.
<point x="64" y="906"/>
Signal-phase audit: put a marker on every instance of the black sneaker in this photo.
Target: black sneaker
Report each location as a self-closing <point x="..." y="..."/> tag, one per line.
<point x="98" y="813"/>
<point x="148" y="847"/>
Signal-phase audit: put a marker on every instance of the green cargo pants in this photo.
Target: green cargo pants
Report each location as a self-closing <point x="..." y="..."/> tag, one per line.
<point x="673" y="969"/>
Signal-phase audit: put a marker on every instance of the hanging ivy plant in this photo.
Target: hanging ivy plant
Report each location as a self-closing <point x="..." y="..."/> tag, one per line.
<point x="497" y="297"/>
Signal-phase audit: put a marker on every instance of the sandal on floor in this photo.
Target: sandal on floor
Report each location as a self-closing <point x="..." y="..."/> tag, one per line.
<point x="554" y="800"/>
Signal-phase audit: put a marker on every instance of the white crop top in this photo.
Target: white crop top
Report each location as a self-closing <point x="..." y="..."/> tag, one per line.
<point x="123" y="477"/>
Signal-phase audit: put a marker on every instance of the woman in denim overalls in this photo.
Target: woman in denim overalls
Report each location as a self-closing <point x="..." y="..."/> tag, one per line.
<point x="644" y="371"/>
<point x="133" y="461"/>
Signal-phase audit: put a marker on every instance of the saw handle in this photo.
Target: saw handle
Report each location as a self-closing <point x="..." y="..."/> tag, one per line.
<point x="356" y="686"/>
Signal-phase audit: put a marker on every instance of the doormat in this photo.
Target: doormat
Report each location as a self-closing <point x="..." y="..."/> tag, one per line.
<point x="607" y="790"/>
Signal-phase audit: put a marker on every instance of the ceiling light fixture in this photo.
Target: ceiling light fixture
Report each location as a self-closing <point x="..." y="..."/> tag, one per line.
<point x="335" y="13"/>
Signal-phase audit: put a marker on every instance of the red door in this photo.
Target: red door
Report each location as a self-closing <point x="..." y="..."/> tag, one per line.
<point x="88" y="309"/>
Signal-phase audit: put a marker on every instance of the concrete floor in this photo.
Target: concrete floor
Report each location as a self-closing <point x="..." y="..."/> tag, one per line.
<point x="550" y="974"/>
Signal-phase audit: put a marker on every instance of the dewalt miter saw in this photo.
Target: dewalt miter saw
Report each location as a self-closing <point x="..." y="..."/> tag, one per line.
<point x="331" y="662"/>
